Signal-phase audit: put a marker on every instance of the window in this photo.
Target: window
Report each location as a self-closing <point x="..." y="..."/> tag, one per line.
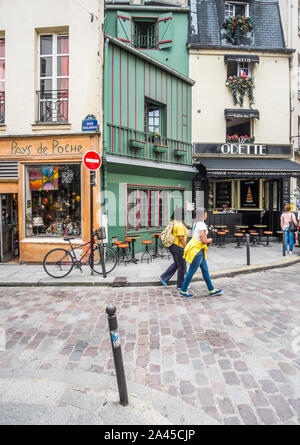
<point x="151" y="207"/>
<point x="54" y="78"/>
<point x="233" y="9"/>
<point x="53" y="200"/>
<point x="239" y="130"/>
<point x="145" y="34"/>
<point x="154" y="118"/>
<point x="243" y="69"/>
<point x="223" y="194"/>
<point x="2" y="81"/>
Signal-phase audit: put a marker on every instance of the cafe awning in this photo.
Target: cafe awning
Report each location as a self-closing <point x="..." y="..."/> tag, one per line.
<point x="235" y="113"/>
<point x="245" y="168"/>
<point x="241" y="58"/>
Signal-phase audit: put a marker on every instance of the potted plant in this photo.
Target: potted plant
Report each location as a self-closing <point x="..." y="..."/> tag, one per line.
<point x="240" y="139"/>
<point x="240" y="86"/>
<point x="236" y="27"/>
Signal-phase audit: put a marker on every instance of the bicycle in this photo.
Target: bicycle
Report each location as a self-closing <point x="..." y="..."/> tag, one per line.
<point x="58" y="263"/>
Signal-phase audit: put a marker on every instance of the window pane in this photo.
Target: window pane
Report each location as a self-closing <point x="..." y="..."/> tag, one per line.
<point x="2" y="48"/>
<point x="46" y="44"/>
<point x="143" y="209"/>
<point x="131" y="209"/>
<point x="2" y="69"/>
<point x="46" y="66"/>
<point x="2" y="86"/>
<point x="63" y="66"/>
<point x="63" y="45"/>
<point x="46" y="85"/>
<point x="63" y="84"/>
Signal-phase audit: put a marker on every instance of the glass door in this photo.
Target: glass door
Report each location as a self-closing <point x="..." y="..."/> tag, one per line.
<point x="6" y="227"/>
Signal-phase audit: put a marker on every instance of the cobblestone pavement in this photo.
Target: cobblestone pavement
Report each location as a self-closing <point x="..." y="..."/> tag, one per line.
<point x="236" y="356"/>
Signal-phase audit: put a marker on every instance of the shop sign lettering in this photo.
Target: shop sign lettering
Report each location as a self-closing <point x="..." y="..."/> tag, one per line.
<point x="41" y="149"/>
<point x="244" y="149"/>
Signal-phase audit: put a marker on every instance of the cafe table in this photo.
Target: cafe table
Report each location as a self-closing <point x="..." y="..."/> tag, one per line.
<point x="260" y="228"/>
<point x="133" y="240"/>
<point x="156" y="236"/>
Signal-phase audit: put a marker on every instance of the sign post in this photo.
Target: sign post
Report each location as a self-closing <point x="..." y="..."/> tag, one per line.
<point x="92" y="161"/>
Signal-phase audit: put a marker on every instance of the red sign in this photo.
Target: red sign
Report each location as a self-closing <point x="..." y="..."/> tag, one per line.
<point x="92" y="160"/>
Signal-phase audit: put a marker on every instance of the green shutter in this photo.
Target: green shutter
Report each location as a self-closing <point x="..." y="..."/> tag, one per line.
<point x="124" y="27"/>
<point x="165" y="30"/>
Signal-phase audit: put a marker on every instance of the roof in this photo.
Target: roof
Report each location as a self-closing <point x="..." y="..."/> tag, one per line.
<point x="206" y="25"/>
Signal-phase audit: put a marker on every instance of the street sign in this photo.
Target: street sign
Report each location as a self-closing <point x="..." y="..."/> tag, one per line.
<point x="90" y="123"/>
<point x="92" y="160"/>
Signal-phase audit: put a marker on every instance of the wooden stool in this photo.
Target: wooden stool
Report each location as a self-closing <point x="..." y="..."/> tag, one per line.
<point x="146" y="251"/>
<point x="221" y="235"/>
<point x="239" y="237"/>
<point x="128" y="241"/>
<point x="117" y="244"/>
<point x="124" y="246"/>
<point x="254" y="236"/>
<point x="268" y="234"/>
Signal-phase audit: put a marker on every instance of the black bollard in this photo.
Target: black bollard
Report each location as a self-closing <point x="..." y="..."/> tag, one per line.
<point x="117" y="353"/>
<point x="283" y="243"/>
<point x="248" y="248"/>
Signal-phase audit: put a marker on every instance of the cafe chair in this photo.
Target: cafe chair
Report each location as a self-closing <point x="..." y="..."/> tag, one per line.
<point x="128" y="241"/>
<point x="123" y="253"/>
<point x="146" y="253"/>
<point x="239" y="236"/>
<point x="117" y="244"/>
<point x="268" y="234"/>
<point x="221" y="238"/>
<point x="254" y="241"/>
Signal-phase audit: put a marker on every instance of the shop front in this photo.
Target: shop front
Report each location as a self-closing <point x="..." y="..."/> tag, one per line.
<point x="46" y="197"/>
<point x="244" y="184"/>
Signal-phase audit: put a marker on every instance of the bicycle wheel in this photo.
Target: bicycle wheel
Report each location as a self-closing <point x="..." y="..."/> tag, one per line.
<point x="58" y="263"/>
<point x="110" y="259"/>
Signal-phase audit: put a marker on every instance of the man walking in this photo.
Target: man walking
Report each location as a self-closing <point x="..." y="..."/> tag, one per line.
<point x="179" y="232"/>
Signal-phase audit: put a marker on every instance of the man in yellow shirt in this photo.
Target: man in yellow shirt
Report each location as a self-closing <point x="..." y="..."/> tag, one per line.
<point x="177" y="250"/>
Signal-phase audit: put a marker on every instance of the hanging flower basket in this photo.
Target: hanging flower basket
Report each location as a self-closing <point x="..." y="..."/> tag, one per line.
<point x="236" y="27"/>
<point x="239" y="86"/>
<point x="240" y="139"/>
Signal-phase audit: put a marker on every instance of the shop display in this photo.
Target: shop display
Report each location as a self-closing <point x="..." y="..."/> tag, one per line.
<point x="223" y="194"/>
<point x="53" y="201"/>
<point x="250" y="194"/>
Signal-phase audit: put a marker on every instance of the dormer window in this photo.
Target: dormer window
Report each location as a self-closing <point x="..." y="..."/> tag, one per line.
<point x="241" y="69"/>
<point x="234" y="9"/>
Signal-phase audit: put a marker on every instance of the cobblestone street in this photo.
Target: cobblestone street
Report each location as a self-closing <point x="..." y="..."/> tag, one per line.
<point x="236" y="356"/>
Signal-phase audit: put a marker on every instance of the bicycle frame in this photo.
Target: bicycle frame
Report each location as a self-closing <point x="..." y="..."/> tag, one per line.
<point x="72" y="250"/>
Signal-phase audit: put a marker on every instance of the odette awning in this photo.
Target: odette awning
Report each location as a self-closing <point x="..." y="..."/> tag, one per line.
<point x="241" y="58"/>
<point x="241" y="113"/>
<point x="245" y="168"/>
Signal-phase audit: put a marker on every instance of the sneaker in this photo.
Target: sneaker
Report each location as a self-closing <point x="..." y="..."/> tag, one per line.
<point x="215" y="292"/>
<point x="188" y="289"/>
<point x="163" y="282"/>
<point x="186" y="294"/>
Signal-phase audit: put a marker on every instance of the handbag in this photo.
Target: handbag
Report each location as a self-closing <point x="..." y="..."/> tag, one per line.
<point x="292" y="225"/>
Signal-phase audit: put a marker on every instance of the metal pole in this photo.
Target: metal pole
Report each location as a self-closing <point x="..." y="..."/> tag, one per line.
<point x="283" y="243"/>
<point x="248" y="248"/>
<point x="92" y="179"/>
<point x="117" y="353"/>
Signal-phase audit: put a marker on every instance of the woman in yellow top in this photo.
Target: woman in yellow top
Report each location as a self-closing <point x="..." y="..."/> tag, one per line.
<point x="177" y="250"/>
<point x="195" y="254"/>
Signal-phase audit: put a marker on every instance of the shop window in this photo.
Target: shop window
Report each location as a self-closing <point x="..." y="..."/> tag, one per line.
<point x="249" y="194"/>
<point x="223" y="194"/>
<point x="154" y="118"/>
<point x="144" y="34"/>
<point x="53" y="200"/>
<point x="241" y="69"/>
<point x="53" y="94"/>
<point x="233" y="9"/>
<point x="2" y="81"/>
<point x="239" y="130"/>
<point x="151" y="208"/>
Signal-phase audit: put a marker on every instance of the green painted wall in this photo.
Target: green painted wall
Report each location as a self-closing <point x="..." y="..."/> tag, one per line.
<point x="176" y="56"/>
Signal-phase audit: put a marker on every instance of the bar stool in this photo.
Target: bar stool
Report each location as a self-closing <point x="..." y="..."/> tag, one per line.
<point x="254" y="236"/>
<point x="221" y="235"/>
<point x="117" y="244"/>
<point x="239" y="237"/>
<point x="124" y="256"/>
<point x="146" y="243"/>
<point x="268" y="233"/>
<point x="279" y="233"/>
<point x="128" y="241"/>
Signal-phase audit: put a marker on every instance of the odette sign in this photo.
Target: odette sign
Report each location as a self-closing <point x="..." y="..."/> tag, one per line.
<point x="92" y="160"/>
<point x="244" y="149"/>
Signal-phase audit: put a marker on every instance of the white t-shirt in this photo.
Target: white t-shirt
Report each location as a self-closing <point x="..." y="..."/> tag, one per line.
<point x="198" y="228"/>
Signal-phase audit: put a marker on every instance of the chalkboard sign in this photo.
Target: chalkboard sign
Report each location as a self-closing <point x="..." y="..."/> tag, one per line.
<point x="250" y="194"/>
<point x="285" y="191"/>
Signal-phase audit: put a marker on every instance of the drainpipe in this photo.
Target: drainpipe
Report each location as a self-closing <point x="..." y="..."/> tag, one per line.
<point x="105" y="130"/>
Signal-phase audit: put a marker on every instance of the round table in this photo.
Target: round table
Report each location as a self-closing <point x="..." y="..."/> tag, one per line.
<point x="220" y="227"/>
<point x="260" y="227"/>
<point x="157" y="236"/>
<point x="133" y="240"/>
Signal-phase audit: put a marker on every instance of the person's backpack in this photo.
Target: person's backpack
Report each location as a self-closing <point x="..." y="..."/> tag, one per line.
<point x="166" y="235"/>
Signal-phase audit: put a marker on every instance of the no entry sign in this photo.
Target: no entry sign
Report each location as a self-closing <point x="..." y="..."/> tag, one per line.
<point x="92" y="160"/>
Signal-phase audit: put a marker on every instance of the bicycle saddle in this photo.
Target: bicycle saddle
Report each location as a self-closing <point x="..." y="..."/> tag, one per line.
<point x="67" y="238"/>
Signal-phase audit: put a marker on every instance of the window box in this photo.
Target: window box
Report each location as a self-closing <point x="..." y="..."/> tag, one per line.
<point x="138" y="145"/>
<point x="180" y="153"/>
<point x="160" y="148"/>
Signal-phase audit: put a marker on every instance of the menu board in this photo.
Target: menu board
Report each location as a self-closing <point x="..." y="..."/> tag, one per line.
<point x="250" y="194"/>
<point x="223" y="194"/>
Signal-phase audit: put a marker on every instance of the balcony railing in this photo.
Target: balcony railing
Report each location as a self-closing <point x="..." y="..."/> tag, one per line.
<point x="53" y="105"/>
<point x="145" y="42"/>
<point x="123" y="141"/>
<point x="2" y="107"/>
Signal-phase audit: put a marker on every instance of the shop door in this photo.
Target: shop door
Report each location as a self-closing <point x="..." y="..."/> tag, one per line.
<point x="6" y="227"/>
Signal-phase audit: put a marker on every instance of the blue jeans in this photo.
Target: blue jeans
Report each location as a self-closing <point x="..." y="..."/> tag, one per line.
<point x="289" y="239"/>
<point x="178" y="265"/>
<point x="199" y="261"/>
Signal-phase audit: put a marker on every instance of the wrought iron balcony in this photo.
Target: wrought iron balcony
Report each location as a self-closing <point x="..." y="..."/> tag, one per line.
<point x="2" y="107"/>
<point x="123" y="141"/>
<point x="144" y="42"/>
<point x="53" y="105"/>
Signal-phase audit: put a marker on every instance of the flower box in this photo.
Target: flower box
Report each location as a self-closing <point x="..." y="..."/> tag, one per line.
<point x="139" y="145"/>
<point x="160" y="148"/>
<point x="180" y="152"/>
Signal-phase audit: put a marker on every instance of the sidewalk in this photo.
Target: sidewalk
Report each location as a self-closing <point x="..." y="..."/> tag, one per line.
<point x="222" y="262"/>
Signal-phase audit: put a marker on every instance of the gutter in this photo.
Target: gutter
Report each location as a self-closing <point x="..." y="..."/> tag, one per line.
<point x="105" y="130"/>
<point x="245" y="49"/>
<point x="148" y="8"/>
<point x="149" y="59"/>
